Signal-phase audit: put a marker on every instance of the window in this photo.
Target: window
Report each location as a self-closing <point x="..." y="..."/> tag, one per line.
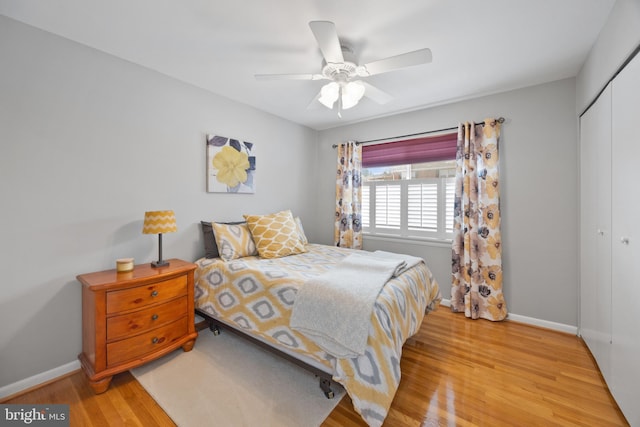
<point x="412" y="199"/>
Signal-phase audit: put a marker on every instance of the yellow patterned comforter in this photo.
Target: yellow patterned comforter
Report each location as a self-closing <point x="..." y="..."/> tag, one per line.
<point x="257" y="296"/>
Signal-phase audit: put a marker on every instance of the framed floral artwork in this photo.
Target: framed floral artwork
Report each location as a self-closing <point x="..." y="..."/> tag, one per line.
<point x="231" y="165"/>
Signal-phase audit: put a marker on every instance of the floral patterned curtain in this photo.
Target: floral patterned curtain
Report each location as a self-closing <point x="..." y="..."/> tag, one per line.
<point x="477" y="252"/>
<point x="348" y="225"/>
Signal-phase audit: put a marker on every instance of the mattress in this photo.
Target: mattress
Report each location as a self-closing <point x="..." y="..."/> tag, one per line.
<point x="256" y="296"/>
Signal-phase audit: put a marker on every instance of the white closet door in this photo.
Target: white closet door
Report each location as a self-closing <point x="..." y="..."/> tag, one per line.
<point x="625" y="384"/>
<point x="595" y="232"/>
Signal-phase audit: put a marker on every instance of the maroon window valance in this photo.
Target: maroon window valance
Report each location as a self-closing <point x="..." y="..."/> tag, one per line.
<point x="418" y="150"/>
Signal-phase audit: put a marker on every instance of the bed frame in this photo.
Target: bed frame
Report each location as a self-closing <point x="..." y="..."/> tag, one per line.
<point x="324" y="377"/>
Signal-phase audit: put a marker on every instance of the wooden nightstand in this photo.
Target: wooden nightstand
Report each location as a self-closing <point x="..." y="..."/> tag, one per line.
<point x="131" y="318"/>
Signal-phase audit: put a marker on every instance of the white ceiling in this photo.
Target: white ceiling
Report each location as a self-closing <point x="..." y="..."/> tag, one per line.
<point x="478" y="47"/>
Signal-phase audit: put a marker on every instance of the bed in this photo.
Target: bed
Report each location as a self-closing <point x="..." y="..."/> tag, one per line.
<point x="256" y="297"/>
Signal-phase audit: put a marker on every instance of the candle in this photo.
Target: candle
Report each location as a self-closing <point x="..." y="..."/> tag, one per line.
<point x="124" y="265"/>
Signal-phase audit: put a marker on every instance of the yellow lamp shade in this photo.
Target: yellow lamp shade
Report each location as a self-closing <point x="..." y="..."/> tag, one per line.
<point x="157" y="222"/>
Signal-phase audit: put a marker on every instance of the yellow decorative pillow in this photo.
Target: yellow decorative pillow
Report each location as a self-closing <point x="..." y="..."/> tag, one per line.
<point x="275" y="235"/>
<point x="233" y="240"/>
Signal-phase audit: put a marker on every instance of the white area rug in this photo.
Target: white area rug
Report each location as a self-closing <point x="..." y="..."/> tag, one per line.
<point x="227" y="381"/>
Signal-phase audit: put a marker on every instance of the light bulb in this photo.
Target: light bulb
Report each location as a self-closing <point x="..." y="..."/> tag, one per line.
<point x="329" y="94"/>
<point x="352" y="92"/>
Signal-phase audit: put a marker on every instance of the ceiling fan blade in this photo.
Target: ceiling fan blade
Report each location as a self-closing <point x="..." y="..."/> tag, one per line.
<point x="289" y="77"/>
<point x="409" y="59"/>
<point x="375" y="94"/>
<point x="327" y="37"/>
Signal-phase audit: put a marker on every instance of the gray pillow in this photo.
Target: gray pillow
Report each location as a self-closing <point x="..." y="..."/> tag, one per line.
<point x="210" y="246"/>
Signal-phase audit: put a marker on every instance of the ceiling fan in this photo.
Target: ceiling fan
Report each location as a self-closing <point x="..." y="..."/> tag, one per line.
<point x="339" y="66"/>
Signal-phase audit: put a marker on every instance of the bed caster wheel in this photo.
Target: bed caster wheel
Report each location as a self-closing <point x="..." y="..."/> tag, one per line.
<point x="215" y="329"/>
<point x="325" y="385"/>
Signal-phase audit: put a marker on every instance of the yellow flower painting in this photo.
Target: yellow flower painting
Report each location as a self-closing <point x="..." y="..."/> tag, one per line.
<point x="231" y="165"/>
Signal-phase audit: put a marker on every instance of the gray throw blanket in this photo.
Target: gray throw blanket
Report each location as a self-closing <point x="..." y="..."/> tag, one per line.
<point x="334" y="309"/>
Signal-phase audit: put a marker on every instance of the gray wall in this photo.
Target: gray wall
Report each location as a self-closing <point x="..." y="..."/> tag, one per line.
<point x="617" y="40"/>
<point x="90" y="142"/>
<point x="539" y="198"/>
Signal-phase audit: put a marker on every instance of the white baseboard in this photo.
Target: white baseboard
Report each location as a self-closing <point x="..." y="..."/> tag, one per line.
<point x="561" y="327"/>
<point x="445" y="302"/>
<point x="18" y="386"/>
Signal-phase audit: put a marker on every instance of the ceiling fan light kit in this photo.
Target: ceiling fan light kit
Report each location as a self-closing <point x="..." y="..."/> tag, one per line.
<point x="339" y="66"/>
<point x="349" y="94"/>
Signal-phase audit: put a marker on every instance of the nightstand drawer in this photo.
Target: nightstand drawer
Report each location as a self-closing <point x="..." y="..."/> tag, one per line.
<point x="141" y="296"/>
<point x="126" y="325"/>
<point x="140" y="345"/>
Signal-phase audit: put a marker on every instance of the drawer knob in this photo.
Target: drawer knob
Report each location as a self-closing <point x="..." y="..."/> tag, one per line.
<point x="154" y="340"/>
<point x="154" y="317"/>
<point x="154" y="293"/>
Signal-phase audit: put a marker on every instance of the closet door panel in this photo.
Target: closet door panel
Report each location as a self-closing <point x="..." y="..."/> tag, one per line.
<point x="595" y="233"/>
<point x="625" y="384"/>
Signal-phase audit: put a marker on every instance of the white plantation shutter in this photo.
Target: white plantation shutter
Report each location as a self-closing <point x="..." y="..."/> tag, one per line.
<point x="387" y="206"/>
<point x="450" y="191"/>
<point x="422" y="206"/>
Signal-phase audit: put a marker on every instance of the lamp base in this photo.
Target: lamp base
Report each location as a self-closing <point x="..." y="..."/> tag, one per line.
<point x="159" y="263"/>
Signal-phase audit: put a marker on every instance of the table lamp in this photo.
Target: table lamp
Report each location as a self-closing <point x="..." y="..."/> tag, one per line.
<point x="158" y="222"/>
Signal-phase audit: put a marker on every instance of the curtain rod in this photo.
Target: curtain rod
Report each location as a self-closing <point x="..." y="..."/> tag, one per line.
<point x="499" y="120"/>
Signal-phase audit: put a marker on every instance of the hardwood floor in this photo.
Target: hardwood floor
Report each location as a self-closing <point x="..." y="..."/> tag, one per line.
<point x="458" y="372"/>
<point x="455" y="372"/>
<point x="125" y="403"/>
